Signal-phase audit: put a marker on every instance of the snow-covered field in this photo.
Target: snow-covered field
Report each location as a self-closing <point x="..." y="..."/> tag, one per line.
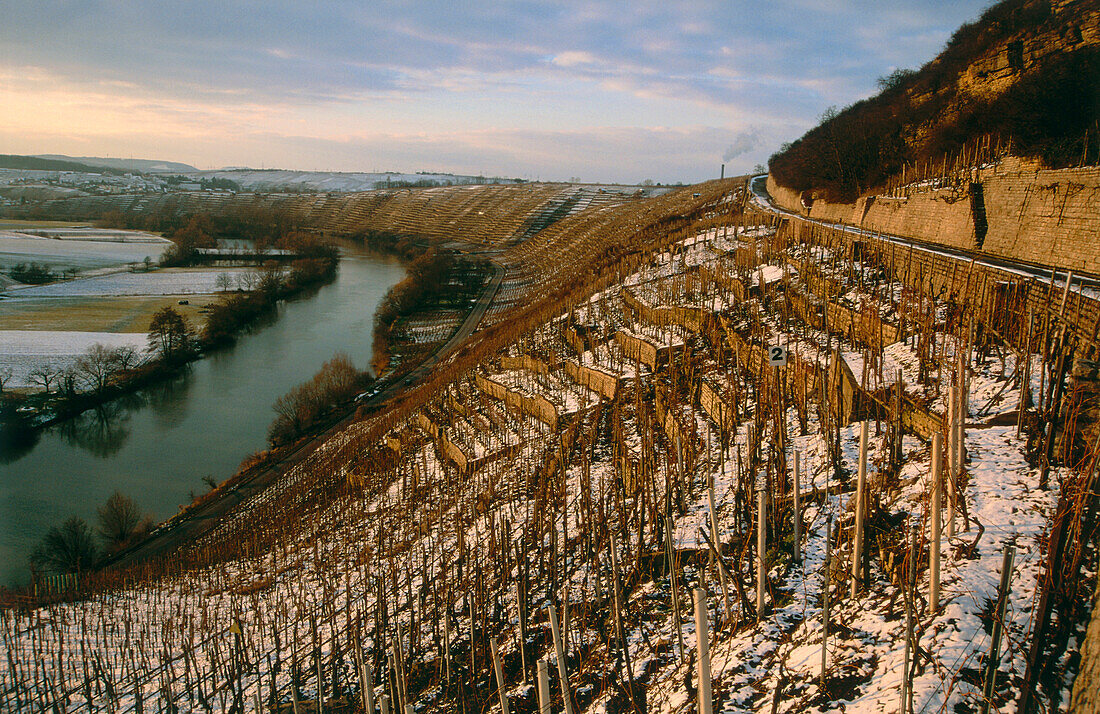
<point x="23" y="351"/>
<point x="82" y="254"/>
<point x="282" y="180"/>
<point x="161" y="282"/>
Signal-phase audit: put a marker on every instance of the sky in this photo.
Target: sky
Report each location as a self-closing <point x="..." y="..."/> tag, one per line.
<point x="598" y="91"/>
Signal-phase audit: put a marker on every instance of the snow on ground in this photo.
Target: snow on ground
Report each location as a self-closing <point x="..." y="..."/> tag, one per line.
<point x="767" y="665"/>
<point x="83" y="254"/>
<point x="162" y="282"/>
<point x="25" y="350"/>
<point x="99" y="235"/>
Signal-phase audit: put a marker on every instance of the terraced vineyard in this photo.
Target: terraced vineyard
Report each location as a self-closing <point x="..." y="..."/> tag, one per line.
<point x="613" y="448"/>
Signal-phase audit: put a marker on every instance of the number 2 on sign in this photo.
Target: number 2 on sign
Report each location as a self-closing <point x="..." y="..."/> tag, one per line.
<point x="777" y="356"/>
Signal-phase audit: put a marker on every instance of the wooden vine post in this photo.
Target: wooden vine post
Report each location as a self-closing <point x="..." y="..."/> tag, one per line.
<point x="861" y="489"/>
<point x="702" y="648"/>
<point x="935" y="536"/>
<point x="825" y="577"/>
<point x="761" y="549"/>
<point x="559" y="652"/>
<point x="796" y="498"/>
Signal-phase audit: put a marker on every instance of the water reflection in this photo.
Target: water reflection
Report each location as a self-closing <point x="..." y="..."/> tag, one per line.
<point x="101" y="431"/>
<point x="16" y="441"/>
<point x="168" y="400"/>
<point x="159" y="443"/>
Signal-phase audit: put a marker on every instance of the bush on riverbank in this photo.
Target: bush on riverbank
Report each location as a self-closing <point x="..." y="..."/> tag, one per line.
<point x="236" y="311"/>
<point x="72" y="548"/>
<point x="303" y="406"/>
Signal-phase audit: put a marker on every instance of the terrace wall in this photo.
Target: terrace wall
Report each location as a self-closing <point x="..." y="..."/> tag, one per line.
<point x="716" y="408"/>
<point x="690" y="318"/>
<point x="604" y="384"/>
<point x="641" y="350"/>
<point x="537" y="406"/>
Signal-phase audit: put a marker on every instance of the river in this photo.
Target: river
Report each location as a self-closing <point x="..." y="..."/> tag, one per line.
<point x="157" y="446"/>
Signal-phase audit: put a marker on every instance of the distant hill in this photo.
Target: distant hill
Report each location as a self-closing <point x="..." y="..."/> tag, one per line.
<point x="1024" y="79"/>
<point x="140" y="165"/>
<point x="335" y="181"/>
<point x="40" y="163"/>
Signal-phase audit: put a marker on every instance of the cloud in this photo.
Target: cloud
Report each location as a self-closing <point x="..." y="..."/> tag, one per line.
<point x="573" y="59"/>
<point x="210" y="72"/>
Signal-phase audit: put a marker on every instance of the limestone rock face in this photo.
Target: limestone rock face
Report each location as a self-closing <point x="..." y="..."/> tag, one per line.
<point x="1086" y="690"/>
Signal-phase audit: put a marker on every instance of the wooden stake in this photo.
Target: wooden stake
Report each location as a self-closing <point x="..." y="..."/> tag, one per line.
<point x="935" y="526"/>
<point x="910" y="617"/>
<point x="825" y="598"/>
<point x="718" y="554"/>
<point x="861" y="488"/>
<point x="797" y="510"/>
<point x="761" y="548"/>
<point x="677" y="620"/>
<point x="998" y="628"/>
<point x="499" y="671"/>
<point x="544" y="687"/>
<point x="702" y="648"/>
<point x="559" y="652"/>
<point x="952" y="459"/>
<point x="624" y="648"/>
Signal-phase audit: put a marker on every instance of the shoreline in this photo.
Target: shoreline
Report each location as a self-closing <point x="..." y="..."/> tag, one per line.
<point x="157" y="371"/>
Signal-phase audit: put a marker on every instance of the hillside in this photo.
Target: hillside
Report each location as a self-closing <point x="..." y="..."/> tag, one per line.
<point x="1023" y="80"/>
<point x="136" y="165"/>
<point x="612" y="447"/>
<point x="37" y="163"/>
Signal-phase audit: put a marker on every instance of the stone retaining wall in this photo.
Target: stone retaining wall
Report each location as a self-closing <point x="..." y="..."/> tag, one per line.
<point x="536" y="406"/>
<point x="1049" y="217"/>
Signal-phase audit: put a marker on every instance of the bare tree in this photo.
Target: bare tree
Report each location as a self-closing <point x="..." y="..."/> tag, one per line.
<point x="127" y="357"/>
<point x="44" y="375"/>
<point x="248" y="280"/>
<point x="97" y="366"/>
<point x="169" y="334"/>
<point x="119" y="520"/>
<point x="67" y="381"/>
<point x="224" y="282"/>
<point x="5" y="377"/>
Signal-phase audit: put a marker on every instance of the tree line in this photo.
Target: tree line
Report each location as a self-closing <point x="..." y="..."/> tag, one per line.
<point x="103" y="373"/>
<point x="435" y="279"/>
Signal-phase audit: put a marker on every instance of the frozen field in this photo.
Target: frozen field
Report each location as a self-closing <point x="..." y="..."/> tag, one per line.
<point x="22" y="351"/>
<point x="82" y="254"/>
<point x="162" y="282"/>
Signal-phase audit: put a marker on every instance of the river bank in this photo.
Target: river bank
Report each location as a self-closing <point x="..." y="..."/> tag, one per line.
<point x="114" y="374"/>
<point x="158" y="443"/>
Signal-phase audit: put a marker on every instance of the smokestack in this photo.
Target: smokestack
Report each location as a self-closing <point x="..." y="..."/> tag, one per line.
<point x="723" y="171"/>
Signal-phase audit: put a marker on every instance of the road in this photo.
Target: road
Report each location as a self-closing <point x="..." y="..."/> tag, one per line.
<point x="1032" y="270"/>
<point x="188" y="528"/>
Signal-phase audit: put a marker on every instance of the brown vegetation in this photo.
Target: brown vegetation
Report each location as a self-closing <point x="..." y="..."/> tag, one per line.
<point x="337" y="381"/>
<point x="922" y="119"/>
